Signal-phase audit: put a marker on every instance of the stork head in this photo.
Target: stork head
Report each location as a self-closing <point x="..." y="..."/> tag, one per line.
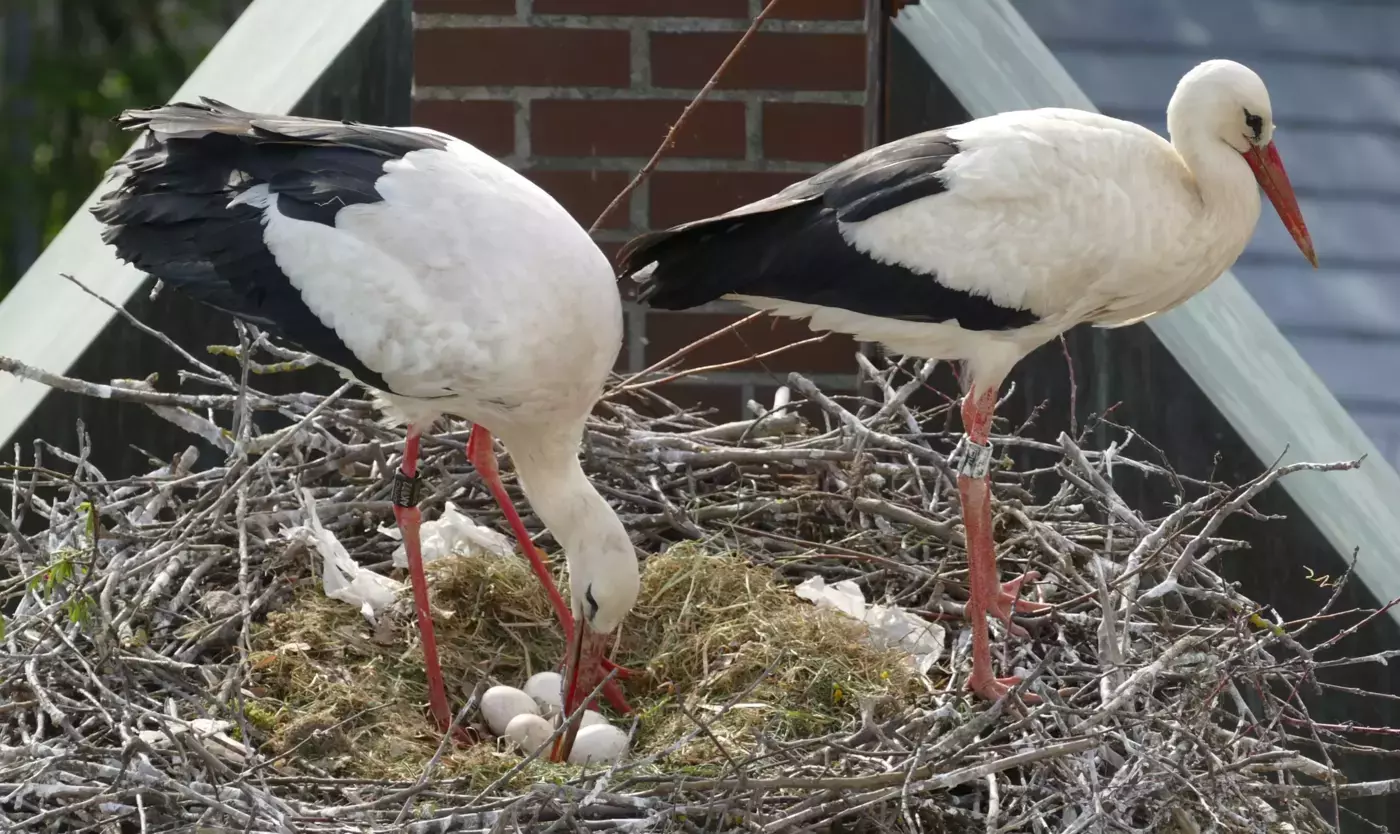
<point x="604" y="582"/>
<point x="1226" y="101"/>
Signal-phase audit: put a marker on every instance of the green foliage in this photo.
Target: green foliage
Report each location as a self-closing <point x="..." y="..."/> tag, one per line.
<point x="64" y="578"/>
<point x="87" y="61"/>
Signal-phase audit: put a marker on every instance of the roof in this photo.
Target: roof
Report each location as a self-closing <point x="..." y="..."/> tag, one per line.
<point x="1333" y="70"/>
<point x="266" y="62"/>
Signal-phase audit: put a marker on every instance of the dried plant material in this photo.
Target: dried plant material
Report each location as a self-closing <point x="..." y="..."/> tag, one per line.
<point x="141" y="606"/>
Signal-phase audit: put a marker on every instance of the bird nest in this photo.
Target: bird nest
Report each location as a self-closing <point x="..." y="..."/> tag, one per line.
<point x="171" y="662"/>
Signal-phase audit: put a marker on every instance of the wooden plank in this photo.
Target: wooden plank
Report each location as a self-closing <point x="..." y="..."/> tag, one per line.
<point x="268" y="61"/>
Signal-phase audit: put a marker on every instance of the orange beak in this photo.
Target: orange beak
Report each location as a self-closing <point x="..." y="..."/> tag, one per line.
<point x="1268" y="170"/>
<point x="583" y="671"/>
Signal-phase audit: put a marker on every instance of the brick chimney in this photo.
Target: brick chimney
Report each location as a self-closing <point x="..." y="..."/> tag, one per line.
<point x="577" y="94"/>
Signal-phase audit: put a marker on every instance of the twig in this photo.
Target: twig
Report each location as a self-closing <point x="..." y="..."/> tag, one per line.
<point x="670" y="139"/>
<point x="864" y="496"/>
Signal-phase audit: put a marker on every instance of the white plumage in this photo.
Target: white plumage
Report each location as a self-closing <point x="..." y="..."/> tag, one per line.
<point x="468" y="288"/>
<point x="981" y="242"/>
<point x="440" y="278"/>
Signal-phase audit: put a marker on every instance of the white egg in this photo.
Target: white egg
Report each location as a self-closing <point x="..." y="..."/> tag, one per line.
<point x="547" y="688"/>
<point x="502" y="703"/>
<point x="598" y="743"/>
<point x="529" y="731"/>
<point x="588" y="719"/>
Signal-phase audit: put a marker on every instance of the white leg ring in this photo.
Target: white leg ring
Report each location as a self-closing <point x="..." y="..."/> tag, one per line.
<point x="977" y="459"/>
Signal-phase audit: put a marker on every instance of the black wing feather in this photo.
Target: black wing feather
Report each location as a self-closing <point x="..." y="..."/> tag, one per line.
<point x="789" y="246"/>
<point x="173" y="216"/>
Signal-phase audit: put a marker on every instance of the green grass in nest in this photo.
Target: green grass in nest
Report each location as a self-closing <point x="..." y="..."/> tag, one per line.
<point x="706" y="625"/>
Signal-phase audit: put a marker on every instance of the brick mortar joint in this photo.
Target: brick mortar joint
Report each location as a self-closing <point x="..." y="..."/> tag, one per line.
<point x="447" y="20"/>
<point x="442" y="92"/>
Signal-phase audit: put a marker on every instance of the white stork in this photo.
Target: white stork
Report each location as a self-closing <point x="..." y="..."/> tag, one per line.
<point x="982" y="241"/>
<point x="432" y="274"/>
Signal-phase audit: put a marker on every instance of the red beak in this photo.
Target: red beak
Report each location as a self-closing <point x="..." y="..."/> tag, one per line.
<point x="1268" y="170"/>
<point x="583" y="671"/>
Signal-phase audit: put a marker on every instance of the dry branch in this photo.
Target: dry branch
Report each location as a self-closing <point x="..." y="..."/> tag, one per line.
<point x="129" y="600"/>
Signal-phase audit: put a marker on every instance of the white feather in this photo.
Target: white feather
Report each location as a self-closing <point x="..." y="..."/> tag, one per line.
<point x="1074" y="216"/>
<point x="467" y="288"/>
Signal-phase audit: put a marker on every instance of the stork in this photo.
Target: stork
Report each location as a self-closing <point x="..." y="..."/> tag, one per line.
<point x="433" y="275"/>
<point x="980" y="242"/>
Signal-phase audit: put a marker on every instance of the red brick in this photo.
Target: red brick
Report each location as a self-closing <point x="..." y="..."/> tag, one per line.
<point x="812" y="132"/>
<point x="489" y="125"/>
<point x="586" y="193"/>
<point x="635" y="128"/>
<point x="771" y="61"/>
<point x="464" y="6"/>
<point x="679" y="196"/>
<point x="647" y="8"/>
<point x="669" y="332"/>
<point x="820" y="10"/>
<point x="523" y="56"/>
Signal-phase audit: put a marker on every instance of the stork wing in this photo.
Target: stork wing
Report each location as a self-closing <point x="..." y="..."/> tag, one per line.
<point x="789" y="247"/>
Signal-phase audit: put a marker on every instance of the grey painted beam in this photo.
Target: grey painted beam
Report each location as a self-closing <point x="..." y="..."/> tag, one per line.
<point x="267" y="61"/>
<point x="993" y="62"/>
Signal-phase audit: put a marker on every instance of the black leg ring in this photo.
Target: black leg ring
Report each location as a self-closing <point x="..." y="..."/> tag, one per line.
<point x="405" y="491"/>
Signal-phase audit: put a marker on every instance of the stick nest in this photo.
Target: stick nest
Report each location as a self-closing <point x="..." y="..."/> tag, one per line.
<point x="141" y="608"/>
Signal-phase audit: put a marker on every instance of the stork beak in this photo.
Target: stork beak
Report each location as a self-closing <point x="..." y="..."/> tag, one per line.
<point x="583" y="671"/>
<point x="1268" y="170"/>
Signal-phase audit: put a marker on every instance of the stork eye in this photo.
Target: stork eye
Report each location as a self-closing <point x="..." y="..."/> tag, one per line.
<point x="592" y="603"/>
<point x="1255" y="123"/>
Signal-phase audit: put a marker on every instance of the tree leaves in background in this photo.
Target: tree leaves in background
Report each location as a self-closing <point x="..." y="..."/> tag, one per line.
<point x="66" y="68"/>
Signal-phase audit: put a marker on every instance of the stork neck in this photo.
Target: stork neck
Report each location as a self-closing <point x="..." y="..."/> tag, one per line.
<point x="1223" y="178"/>
<point x="551" y="475"/>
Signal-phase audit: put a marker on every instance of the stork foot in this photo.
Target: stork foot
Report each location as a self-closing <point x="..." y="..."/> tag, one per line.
<point x="613" y="693"/>
<point x="1007" y="602"/>
<point x="612" y="690"/>
<point x="994" y="689"/>
<point x="462" y="736"/>
<point x="623" y="673"/>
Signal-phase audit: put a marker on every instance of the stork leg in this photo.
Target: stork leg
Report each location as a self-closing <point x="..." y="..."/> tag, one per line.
<point x="405" y="498"/>
<point x="483" y="457"/>
<point x="988" y="595"/>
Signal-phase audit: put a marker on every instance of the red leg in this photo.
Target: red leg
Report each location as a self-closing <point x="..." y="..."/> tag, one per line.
<point x="988" y="596"/>
<point x="405" y="500"/>
<point x="1007" y="601"/>
<point x="483" y="457"/>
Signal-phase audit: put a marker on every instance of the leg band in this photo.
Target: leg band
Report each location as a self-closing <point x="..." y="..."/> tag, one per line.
<point x="405" y="491"/>
<point x="977" y="459"/>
